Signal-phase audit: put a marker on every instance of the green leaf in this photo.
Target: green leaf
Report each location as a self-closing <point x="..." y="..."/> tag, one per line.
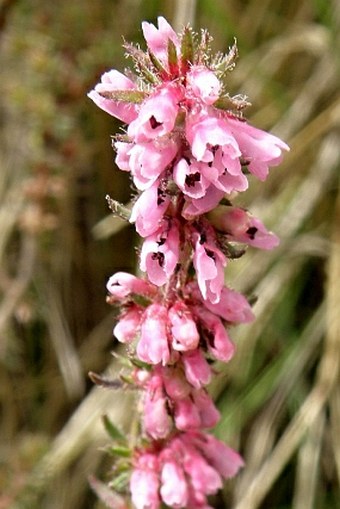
<point x="156" y="63"/>
<point x="226" y="102"/>
<point x="172" y="57"/>
<point x="118" y="209"/>
<point x="187" y="48"/>
<point x="109" y="498"/>
<point x="120" y="450"/>
<point x="112" y="430"/>
<point x="125" y="96"/>
<point x="120" y="481"/>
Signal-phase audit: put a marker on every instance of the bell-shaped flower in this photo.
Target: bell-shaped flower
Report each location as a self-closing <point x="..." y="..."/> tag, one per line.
<point x="127" y="327"/>
<point x="208" y="412"/>
<point x="208" y="134"/>
<point x="209" y="263"/>
<point x="183" y="328"/>
<point x="196" y="368"/>
<point x="157" y="115"/>
<point x="232" y="306"/>
<point x="175" y="384"/>
<point x="148" y="160"/>
<point x="190" y="177"/>
<point x="149" y="209"/>
<point x="174" y="488"/>
<point x="111" y="82"/>
<point x="203" y="84"/>
<point x="223" y="458"/>
<point x="203" y="477"/>
<point x="145" y="483"/>
<point x="123" y="284"/>
<point x="198" y="206"/>
<point x="160" y="252"/>
<point x="186" y="415"/>
<point x="156" y="419"/>
<point x="157" y="38"/>
<point x="153" y="346"/>
<point x="240" y="226"/>
<point x="215" y="334"/>
<point x="259" y="148"/>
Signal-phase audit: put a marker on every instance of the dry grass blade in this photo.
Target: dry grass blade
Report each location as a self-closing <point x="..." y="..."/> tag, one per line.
<point x="83" y="428"/>
<point x="308" y="465"/>
<point x="328" y="376"/>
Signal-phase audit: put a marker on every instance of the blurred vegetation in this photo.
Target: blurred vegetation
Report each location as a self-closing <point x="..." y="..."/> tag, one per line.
<point x="280" y="396"/>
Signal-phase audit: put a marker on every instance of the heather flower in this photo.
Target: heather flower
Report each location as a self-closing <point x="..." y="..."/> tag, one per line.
<point x="157" y="38"/>
<point x="110" y="82"/>
<point x="192" y="177"/>
<point x="232" y="306"/>
<point x="240" y="226"/>
<point x="156" y="419"/>
<point x="217" y="339"/>
<point x="144" y="482"/>
<point x="157" y="115"/>
<point x="153" y="346"/>
<point x="149" y="209"/>
<point x="259" y="148"/>
<point x="147" y="160"/>
<point x="189" y="150"/>
<point x="204" y="84"/>
<point x="122" y="285"/>
<point x="128" y="324"/>
<point x="160" y="252"/>
<point x="198" y="206"/>
<point x="209" y="263"/>
<point x="183" y="459"/>
<point x="183" y="327"/>
<point x="174" y="489"/>
<point x="196" y="368"/>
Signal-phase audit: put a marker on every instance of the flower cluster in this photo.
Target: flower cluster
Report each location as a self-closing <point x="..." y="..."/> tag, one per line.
<point x="189" y="151"/>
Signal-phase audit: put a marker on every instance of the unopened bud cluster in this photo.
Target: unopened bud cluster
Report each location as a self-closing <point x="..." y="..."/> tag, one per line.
<point x="189" y="151"/>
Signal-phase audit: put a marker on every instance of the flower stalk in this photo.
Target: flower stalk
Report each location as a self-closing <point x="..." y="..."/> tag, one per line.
<point x="190" y="151"/>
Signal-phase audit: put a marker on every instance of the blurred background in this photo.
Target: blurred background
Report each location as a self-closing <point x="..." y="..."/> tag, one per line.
<point x="280" y="395"/>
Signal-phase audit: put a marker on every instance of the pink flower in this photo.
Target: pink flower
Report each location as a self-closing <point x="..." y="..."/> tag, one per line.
<point x="175" y="384"/>
<point x="149" y="209"/>
<point x="157" y="115"/>
<point x="157" y="39"/>
<point x="224" y="459"/>
<point x="160" y="252"/>
<point x="217" y="338"/>
<point x="186" y="415"/>
<point x="156" y="419"/>
<point x="261" y="149"/>
<point x="241" y="226"/>
<point x="209" y="263"/>
<point x="195" y="411"/>
<point x="198" y="206"/>
<point x="149" y="159"/>
<point x="110" y="82"/>
<point x="144" y="483"/>
<point x="208" y="412"/>
<point x="204" y="478"/>
<point x="128" y="324"/>
<point x="232" y="306"/>
<point x="183" y="328"/>
<point x="192" y="177"/>
<point x="153" y="345"/>
<point x="196" y="368"/>
<point x="122" y="285"/>
<point x="212" y="142"/>
<point x="174" y="488"/>
<point x="203" y="84"/>
<point x="123" y="155"/>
